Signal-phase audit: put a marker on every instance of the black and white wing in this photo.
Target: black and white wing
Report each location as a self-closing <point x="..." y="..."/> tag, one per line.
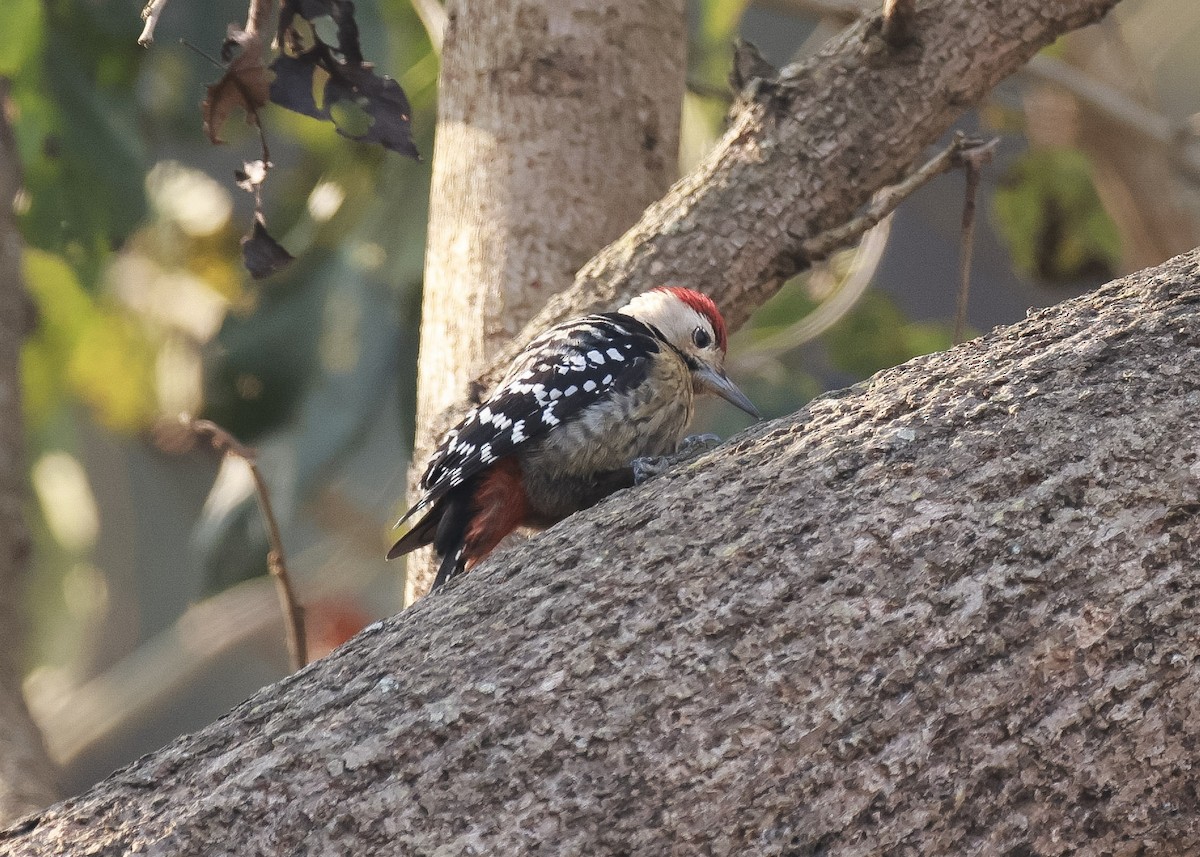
<point x="554" y="380"/>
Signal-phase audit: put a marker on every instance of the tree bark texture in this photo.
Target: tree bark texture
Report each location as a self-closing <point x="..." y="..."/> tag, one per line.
<point x="951" y="610"/>
<point x="558" y="123"/>
<point x="26" y="775"/>
<point x="804" y="152"/>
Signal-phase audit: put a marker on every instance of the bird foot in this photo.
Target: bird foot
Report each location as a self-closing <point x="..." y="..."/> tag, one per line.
<point x="649" y="466"/>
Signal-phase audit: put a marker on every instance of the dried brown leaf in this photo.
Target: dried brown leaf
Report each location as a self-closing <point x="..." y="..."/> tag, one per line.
<point x="246" y="84"/>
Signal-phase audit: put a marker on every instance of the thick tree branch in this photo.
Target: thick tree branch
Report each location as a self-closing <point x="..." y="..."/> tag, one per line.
<point x="802" y="154"/>
<point x="948" y="611"/>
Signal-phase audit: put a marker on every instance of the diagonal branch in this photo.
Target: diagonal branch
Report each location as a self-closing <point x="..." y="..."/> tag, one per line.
<point x="962" y="151"/>
<point x="803" y="153"/>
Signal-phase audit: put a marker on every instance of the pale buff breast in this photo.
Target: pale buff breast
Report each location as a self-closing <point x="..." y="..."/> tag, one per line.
<point x="647" y="420"/>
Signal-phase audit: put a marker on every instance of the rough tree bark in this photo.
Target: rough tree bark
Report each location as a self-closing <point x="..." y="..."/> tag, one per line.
<point x="949" y="611"/>
<point x="558" y="124"/>
<point x="26" y="775"/>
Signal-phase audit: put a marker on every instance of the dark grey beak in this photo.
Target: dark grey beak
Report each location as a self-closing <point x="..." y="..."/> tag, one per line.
<point x="715" y="382"/>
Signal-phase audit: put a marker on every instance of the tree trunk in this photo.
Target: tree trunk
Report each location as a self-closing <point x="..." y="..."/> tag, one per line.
<point x="26" y="775"/>
<point x="558" y="124"/>
<point x="951" y="610"/>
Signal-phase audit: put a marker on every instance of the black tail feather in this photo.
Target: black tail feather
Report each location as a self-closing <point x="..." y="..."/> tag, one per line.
<point x="421" y="533"/>
<point x="445" y="527"/>
<point x="450" y="539"/>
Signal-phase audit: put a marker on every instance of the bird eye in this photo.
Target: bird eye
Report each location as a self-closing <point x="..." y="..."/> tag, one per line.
<point x="701" y="337"/>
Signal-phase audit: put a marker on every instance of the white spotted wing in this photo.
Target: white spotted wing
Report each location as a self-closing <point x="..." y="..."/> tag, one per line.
<point x="563" y="372"/>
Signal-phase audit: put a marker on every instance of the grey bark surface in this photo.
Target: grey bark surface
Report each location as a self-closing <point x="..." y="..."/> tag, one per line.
<point x="804" y="152"/>
<point x="26" y="774"/>
<point x="951" y="610"/>
<point x="558" y="123"/>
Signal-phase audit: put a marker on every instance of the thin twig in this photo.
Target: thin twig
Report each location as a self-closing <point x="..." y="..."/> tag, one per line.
<point x="201" y="53"/>
<point x="898" y="24"/>
<point x="151" y="14"/>
<point x="820" y="246"/>
<point x="973" y="162"/>
<point x="293" y="613"/>
<point x="433" y="16"/>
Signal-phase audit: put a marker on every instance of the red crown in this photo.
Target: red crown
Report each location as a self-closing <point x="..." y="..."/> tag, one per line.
<point x="704" y="305"/>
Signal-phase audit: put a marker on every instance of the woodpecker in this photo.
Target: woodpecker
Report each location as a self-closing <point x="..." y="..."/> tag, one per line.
<point x="560" y="432"/>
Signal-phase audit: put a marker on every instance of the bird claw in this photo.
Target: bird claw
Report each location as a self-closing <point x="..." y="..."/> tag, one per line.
<point x="649" y="466"/>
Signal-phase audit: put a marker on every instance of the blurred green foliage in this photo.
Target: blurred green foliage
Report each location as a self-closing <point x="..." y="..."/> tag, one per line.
<point x="84" y="349"/>
<point x="76" y="130"/>
<point x="876" y="335"/>
<point x="132" y="224"/>
<point x="1049" y="213"/>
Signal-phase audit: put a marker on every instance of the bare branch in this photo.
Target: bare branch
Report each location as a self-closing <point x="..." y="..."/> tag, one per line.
<point x="973" y="162"/>
<point x="293" y="613"/>
<point x="886" y="201"/>
<point x="151" y="14"/>
<point x="1105" y="99"/>
<point x="1115" y="105"/>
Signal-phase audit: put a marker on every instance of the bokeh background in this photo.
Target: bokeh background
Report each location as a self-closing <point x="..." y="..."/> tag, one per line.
<point x="149" y="610"/>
